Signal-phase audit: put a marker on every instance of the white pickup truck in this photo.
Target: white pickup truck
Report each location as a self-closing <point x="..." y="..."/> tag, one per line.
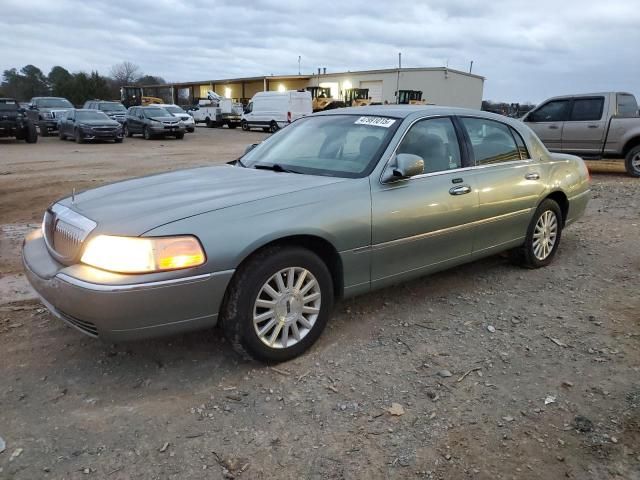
<point x="217" y="111"/>
<point x="593" y="126"/>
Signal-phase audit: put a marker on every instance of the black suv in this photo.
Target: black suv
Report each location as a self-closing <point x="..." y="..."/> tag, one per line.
<point x="82" y="125"/>
<point x="114" y="110"/>
<point x="45" y="112"/>
<point x="153" y="122"/>
<point x="14" y="123"/>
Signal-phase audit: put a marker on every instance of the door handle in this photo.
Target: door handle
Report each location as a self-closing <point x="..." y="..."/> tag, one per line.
<point x="532" y="176"/>
<point x="553" y="127"/>
<point x="460" y="190"/>
<point x="592" y="126"/>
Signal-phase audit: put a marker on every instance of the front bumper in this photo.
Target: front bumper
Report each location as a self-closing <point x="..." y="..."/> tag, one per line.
<point x="166" y="130"/>
<point x="109" y="306"/>
<point x="91" y="135"/>
<point x="49" y="124"/>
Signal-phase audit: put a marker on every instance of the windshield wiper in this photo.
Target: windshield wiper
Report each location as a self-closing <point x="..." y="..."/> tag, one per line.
<point x="276" y="167"/>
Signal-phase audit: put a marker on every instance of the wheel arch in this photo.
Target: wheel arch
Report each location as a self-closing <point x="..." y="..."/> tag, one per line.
<point x="631" y="143"/>
<point x="318" y="245"/>
<point x="562" y="200"/>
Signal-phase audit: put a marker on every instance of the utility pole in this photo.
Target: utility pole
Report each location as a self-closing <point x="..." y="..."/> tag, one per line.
<point x="471" y="66"/>
<point x="398" y="80"/>
<point x="299" y="58"/>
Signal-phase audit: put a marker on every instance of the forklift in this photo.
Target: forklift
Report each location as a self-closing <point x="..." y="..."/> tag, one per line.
<point x="410" y="97"/>
<point x="356" y="97"/>
<point x="132" y="96"/>
<point x="321" y="99"/>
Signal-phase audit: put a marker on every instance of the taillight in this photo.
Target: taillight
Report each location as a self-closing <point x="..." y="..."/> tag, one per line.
<point x="289" y="117"/>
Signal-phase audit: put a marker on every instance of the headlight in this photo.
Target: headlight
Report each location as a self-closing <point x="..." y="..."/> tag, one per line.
<point x="47" y="115"/>
<point x="143" y="255"/>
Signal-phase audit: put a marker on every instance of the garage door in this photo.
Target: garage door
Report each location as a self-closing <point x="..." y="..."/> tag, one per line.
<point x="375" y="90"/>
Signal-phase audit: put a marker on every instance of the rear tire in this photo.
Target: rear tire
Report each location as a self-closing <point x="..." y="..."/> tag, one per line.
<point x="232" y="125"/>
<point x="543" y="237"/>
<point x="31" y="134"/>
<point x="61" y="136"/>
<point x="209" y="123"/>
<point x="241" y="309"/>
<point x="632" y="161"/>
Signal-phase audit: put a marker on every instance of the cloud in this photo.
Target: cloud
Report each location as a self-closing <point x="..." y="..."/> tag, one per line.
<point x="526" y="50"/>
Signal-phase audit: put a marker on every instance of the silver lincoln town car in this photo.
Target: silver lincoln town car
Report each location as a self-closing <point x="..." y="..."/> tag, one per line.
<point x="337" y="204"/>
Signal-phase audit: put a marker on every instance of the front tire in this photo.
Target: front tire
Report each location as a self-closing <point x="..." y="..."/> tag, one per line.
<point x="146" y="133"/>
<point x="278" y="304"/>
<point x="632" y="161"/>
<point x="543" y="236"/>
<point x="118" y="140"/>
<point x="179" y="136"/>
<point x="78" y="136"/>
<point x="44" y="131"/>
<point x="32" y="134"/>
<point x="273" y="126"/>
<point x="244" y="125"/>
<point x="127" y="132"/>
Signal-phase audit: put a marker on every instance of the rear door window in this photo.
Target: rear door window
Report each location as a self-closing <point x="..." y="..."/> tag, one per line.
<point x="627" y="105"/>
<point x="585" y="109"/>
<point x="553" y="111"/>
<point x="491" y="141"/>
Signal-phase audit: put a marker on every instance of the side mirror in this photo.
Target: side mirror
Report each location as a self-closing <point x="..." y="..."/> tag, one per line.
<point x="407" y="165"/>
<point x="526" y="116"/>
<point x="250" y="147"/>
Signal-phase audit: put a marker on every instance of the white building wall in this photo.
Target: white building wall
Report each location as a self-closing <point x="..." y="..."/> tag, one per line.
<point x="439" y="86"/>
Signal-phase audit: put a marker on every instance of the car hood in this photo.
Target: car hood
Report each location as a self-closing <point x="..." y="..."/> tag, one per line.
<point x="133" y="207"/>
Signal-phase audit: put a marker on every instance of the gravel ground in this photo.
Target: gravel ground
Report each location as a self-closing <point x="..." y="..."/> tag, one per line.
<point x="487" y="371"/>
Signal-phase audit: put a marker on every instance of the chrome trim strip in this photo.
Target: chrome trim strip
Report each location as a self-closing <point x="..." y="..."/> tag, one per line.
<point x="454" y="170"/>
<point x="74" y="219"/>
<point x="420" y="236"/>
<point x="137" y="286"/>
<point x="586" y="192"/>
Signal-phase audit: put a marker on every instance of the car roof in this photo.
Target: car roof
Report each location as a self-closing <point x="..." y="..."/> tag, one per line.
<point x="415" y="111"/>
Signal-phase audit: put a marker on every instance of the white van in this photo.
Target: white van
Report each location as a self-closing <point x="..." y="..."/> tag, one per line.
<point x="273" y="110"/>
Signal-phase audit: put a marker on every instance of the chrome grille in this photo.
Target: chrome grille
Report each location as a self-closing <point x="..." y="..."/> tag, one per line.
<point x="64" y="232"/>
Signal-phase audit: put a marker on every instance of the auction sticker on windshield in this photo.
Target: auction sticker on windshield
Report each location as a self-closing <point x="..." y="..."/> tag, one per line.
<point x="375" y="121"/>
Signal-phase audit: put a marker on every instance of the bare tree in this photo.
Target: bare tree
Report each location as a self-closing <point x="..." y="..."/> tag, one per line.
<point x="125" y="73"/>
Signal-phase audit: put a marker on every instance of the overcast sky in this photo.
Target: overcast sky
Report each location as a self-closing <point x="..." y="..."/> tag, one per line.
<point x="527" y="50"/>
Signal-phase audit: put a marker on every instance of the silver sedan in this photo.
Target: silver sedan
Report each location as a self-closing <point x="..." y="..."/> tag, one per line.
<point x="335" y="205"/>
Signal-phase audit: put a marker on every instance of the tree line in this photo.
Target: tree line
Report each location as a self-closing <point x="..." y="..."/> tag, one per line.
<point x="30" y="81"/>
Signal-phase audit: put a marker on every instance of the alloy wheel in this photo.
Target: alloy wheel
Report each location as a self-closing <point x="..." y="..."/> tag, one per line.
<point x="545" y="234"/>
<point x="287" y="307"/>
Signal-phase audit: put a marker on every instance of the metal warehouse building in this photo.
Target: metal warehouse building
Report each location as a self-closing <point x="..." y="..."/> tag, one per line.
<point x="439" y="85"/>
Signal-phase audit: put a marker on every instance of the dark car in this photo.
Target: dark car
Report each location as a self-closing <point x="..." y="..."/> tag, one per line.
<point x="14" y="123"/>
<point x="82" y="125"/>
<point x="44" y="112"/>
<point x="114" y="110"/>
<point x="153" y="122"/>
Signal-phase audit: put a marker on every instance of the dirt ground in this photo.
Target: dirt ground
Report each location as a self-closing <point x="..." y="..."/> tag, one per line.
<point x="497" y="372"/>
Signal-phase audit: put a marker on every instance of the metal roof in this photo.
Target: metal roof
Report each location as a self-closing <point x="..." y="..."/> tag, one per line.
<point x="308" y="77"/>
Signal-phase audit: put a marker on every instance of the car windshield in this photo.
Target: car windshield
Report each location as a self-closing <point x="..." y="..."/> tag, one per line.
<point x="112" y="107"/>
<point x="91" y="115"/>
<point x="174" y="109"/>
<point x="333" y="145"/>
<point x="8" y="105"/>
<point x="156" y="112"/>
<point x="53" y="103"/>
